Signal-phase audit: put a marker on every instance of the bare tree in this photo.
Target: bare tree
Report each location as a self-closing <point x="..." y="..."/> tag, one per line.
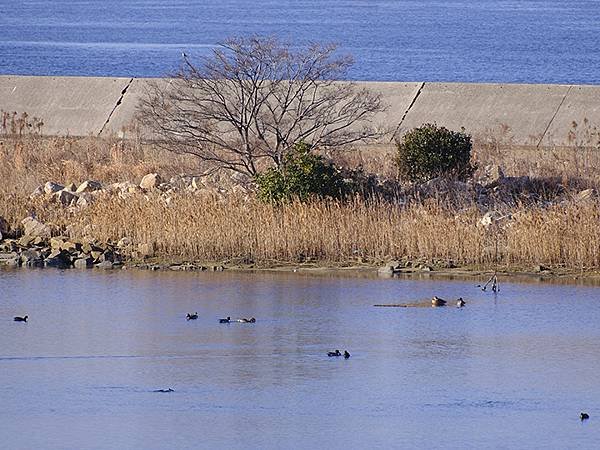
<point x="253" y="98"/>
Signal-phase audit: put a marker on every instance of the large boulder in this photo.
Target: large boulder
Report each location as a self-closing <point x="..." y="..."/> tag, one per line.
<point x="83" y="263"/>
<point x="89" y="186"/>
<point x="65" y="197"/>
<point x="85" y="199"/>
<point x="50" y="187"/>
<point x="34" y="228"/>
<point x="150" y="181"/>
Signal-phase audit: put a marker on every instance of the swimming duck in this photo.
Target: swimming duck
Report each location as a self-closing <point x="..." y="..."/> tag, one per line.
<point x="192" y="316"/>
<point x="436" y="301"/>
<point x="164" y="390"/>
<point x="251" y="320"/>
<point x="20" y="319"/>
<point x="460" y="302"/>
<point x="584" y="416"/>
<point x="228" y="320"/>
<point x="336" y="353"/>
<point x="346" y="354"/>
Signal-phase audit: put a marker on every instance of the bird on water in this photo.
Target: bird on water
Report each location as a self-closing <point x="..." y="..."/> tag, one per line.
<point x="584" y="416"/>
<point x="228" y="320"/>
<point x="332" y="354"/>
<point x="346" y="354"/>
<point x="460" y="302"/>
<point x="437" y="301"/>
<point x="21" y="319"/>
<point x="192" y="316"/>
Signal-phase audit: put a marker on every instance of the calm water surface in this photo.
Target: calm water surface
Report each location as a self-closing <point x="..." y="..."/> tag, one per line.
<point x="511" y="371"/>
<point x="534" y="41"/>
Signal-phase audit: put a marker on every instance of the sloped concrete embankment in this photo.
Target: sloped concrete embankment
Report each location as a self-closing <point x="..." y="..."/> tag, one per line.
<point x="531" y="115"/>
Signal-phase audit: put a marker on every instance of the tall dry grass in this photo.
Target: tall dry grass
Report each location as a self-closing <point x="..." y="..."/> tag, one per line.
<point x="205" y="228"/>
<point x="197" y="228"/>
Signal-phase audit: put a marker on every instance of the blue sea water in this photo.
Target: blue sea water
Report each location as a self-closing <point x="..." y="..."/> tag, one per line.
<point x="533" y="41"/>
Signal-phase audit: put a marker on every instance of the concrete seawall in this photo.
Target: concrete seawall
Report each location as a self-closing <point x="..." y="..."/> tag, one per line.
<point x="529" y="115"/>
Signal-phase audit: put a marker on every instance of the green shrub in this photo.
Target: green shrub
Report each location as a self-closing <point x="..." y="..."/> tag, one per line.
<point x="430" y="151"/>
<point x="302" y="175"/>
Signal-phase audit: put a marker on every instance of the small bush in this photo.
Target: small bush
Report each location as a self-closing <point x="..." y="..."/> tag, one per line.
<point x="302" y="175"/>
<point x="430" y="151"/>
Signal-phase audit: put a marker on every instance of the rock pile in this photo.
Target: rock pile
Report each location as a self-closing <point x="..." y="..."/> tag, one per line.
<point x="36" y="248"/>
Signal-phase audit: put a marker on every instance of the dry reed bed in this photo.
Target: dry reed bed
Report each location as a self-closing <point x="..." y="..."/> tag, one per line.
<point x="204" y="229"/>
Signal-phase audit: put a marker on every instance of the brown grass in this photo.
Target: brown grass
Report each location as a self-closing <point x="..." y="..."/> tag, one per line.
<point x="200" y="228"/>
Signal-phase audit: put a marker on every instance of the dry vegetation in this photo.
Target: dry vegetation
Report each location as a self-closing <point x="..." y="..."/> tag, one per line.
<point x="205" y="228"/>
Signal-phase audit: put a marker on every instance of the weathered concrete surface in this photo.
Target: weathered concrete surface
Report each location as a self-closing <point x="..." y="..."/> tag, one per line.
<point x="577" y="116"/>
<point x="521" y="112"/>
<point x="397" y="96"/>
<point x="525" y="115"/>
<point x="76" y="106"/>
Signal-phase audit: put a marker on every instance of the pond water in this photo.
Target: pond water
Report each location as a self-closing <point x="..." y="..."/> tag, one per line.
<point x="512" y="370"/>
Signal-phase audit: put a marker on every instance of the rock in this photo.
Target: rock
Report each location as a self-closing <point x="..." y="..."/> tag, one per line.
<point x="37" y="192"/>
<point x="8" y="255"/>
<point x="150" y="181"/>
<point x="31" y="254"/>
<point x="51" y="187"/>
<point x="89" y="186"/>
<point x="105" y="265"/>
<point x="85" y="199"/>
<point x="57" y="262"/>
<point x="35" y="228"/>
<point x="11" y="262"/>
<point x="83" y="263"/>
<point x="386" y="270"/>
<point x="586" y="194"/>
<point x="65" y="198"/>
<point x="540" y="268"/>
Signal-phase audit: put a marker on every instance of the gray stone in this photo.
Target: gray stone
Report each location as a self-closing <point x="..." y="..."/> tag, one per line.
<point x="83" y="263"/>
<point x="8" y="255"/>
<point x="65" y="198"/>
<point x="105" y="265"/>
<point x="57" y="262"/>
<point x="89" y="186"/>
<point x="35" y="228"/>
<point x="85" y="199"/>
<point x="150" y="181"/>
<point x="50" y="187"/>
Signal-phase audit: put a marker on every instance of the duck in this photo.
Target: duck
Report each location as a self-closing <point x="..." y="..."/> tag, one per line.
<point x="460" y="302"/>
<point x="436" y="301"/>
<point x="21" y="319"/>
<point x="584" y="416"/>
<point x="244" y="320"/>
<point x="165" y="390"/>
<point x="346" y="354"/>
<point x="192" y="316"/>
<point x="228" y="320"/>
<point x="336" y="353"/>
